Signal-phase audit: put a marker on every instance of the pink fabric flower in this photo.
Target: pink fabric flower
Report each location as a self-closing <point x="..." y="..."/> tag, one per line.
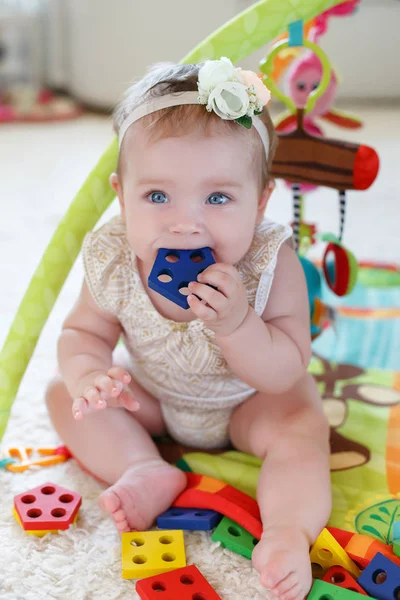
<point x="262" y="92"/>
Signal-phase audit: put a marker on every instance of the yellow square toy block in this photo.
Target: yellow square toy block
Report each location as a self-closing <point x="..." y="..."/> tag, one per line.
<point x="327" y="552"/>
<point x="152" y="552"/>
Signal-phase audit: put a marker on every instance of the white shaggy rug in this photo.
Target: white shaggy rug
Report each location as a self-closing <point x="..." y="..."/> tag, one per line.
<point x="84" y="563"/>
<point x="41" y="169"/>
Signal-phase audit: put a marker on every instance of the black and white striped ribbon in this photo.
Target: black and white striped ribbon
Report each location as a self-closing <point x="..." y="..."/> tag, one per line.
<point x="297" y="200"/>
<point x="342" y="208"/>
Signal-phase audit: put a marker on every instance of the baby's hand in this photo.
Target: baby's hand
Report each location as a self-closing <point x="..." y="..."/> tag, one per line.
<point x="102" y="389"/>
<point x="222" y="309"/>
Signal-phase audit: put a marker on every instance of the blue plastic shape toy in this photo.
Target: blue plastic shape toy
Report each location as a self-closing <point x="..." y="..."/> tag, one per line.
<point x="193" y="519"/>
<point x="174" y="269"/>
<point x="381" y="578"/>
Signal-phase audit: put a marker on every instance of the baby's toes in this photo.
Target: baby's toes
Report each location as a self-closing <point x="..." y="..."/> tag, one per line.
<point x="121" y="523"/>
<point x="260" y="555"/>
<point x="285" y="585"/>
<point x="297" y="592"/>
<point x="119" y="515"/>
<point x="276" y="570"/>
<point x="122" y="526"/>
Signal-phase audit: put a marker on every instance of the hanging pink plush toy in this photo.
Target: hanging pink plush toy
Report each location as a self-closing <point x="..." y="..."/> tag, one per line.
<point x="304" y="75"/>
<point x="302" y="78"/>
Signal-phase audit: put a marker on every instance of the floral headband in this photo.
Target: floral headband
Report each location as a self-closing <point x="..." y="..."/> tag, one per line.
<point x="233" y="94"/>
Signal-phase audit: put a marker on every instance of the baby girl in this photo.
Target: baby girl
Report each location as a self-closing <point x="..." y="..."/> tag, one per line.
<point x="196" y="146"/>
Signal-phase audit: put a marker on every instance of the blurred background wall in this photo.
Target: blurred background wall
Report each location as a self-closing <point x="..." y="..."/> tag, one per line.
<point x="94" y="48"/>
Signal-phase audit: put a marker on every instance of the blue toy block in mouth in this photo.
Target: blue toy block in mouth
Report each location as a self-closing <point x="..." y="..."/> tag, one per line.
<point x="173" y="270"/>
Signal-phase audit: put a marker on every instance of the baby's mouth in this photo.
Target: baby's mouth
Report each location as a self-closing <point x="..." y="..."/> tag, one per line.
<point x="196" y="254"/>
<point x="188" y="248"/>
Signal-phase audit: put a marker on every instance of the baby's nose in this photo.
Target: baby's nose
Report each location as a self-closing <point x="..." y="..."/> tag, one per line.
<point x="185" y="227"/>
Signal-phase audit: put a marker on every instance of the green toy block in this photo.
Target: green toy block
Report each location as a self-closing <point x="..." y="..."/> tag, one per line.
<point x="234" y="537"/>
<point x="322" y="590"/>
<point x="396" y="547"/>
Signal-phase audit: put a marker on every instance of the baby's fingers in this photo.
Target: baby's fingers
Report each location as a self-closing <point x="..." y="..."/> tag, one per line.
<point x="79" y="406"/>
<point x="128" y="401"/>
<point x="119" y="374"/>
<point x="109" y="386"/>
<point x="95" y="398"/>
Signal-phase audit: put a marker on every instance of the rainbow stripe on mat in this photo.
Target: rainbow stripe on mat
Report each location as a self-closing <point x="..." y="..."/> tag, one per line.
<point x="371" y="313"/>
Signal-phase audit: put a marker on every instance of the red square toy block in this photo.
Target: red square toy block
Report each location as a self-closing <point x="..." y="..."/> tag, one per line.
<point x="48" y="506"/>
<point x="340" y="577"/>
<point x="183" y="584"/>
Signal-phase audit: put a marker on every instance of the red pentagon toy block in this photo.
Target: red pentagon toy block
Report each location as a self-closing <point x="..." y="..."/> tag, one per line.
<point x="48" y="506"/>
<point x="340" y="577"/>
<point x="186" y="583"/>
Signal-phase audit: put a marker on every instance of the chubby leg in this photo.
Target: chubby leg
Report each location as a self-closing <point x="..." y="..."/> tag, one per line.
<point x="117" y="448"/>
<point x="290" y="433"/>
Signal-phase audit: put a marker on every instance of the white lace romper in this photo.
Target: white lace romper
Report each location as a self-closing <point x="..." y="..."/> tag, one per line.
<point x="178" y="363"/>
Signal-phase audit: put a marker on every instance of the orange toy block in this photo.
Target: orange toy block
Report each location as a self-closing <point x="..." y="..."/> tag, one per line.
<point x="183" y="584"/>
<point x="340" y="577"/>
<point x="206" y="492"/>
<point x="47" y="507"/>
<point x="327" y="552"/>
<point x="362" y="548"/>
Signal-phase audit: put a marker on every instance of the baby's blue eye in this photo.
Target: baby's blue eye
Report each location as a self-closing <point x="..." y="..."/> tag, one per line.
<point x="158" y="197"/>
<point x="218" y="199"/>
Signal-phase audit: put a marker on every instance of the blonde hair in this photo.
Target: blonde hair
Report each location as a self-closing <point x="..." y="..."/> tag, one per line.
<point x="166" y="78"/>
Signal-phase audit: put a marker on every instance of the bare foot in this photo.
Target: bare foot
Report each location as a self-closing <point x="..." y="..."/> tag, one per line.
<point x="283" y="561"/>
<point x="144" y="491"/>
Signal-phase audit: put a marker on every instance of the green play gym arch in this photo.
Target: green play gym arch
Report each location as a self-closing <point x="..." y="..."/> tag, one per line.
<point x="239" y="37"/>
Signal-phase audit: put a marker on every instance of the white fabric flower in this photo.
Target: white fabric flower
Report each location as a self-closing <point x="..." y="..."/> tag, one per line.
<point x="231" y="92"/>
<point x="229" y="100"/>
<point x="214" y="72"/>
